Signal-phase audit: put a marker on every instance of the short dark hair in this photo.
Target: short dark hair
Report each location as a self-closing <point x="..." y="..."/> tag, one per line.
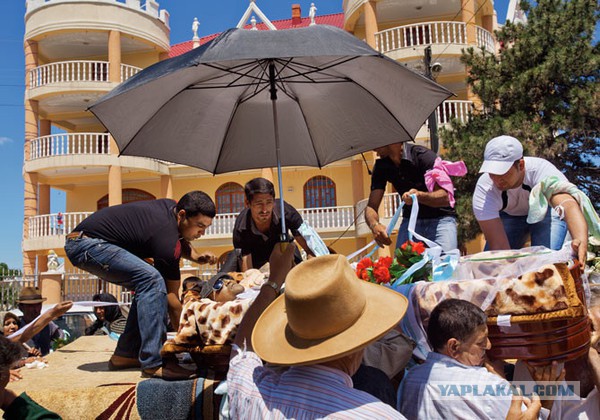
<point x="258" y="186"/>
<point x="197" y="202"/>
<point x="453" y="318"/>
<point x="10" y="315"/>
<point x="10" y="352"/>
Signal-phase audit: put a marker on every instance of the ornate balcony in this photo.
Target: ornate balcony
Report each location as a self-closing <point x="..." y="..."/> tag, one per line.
<point x="48" y="231"/>
<point x="76" y="71"/>
<point x="388" y="207"/>
<point x="430" y="33"/>
<point x="69" y="144"/>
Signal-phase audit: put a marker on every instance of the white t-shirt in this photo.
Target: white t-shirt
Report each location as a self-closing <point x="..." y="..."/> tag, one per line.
<point x="487" y="199"/>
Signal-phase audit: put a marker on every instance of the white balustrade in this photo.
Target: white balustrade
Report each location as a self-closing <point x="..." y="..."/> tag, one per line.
<point x="151" y="7"/>
<point x="222" y="224"/>
<point x="485" y="40"/>
<point x="427" y="33"/>
<point x="127" y="71"/>
<point x="51" y="224"/>
<point x="450" y="110"/>
<point x="76" y="71"/>
<point x="321" y="218"/>
<point x="391" y="201"/>
<point x="69" y="144"/>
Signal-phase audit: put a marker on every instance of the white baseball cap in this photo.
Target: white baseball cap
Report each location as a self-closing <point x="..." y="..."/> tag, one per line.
<point x="500" y="153"/>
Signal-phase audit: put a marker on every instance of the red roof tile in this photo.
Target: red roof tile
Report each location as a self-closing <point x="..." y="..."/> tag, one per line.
<point x="336" y="19"/>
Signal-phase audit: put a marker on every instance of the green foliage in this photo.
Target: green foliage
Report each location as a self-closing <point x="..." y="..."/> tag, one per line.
<point x="542" y="88"/>
<point x="5" y="271"/>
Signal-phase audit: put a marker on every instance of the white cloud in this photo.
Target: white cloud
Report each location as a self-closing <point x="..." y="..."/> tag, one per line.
<point x="5" y="140"/>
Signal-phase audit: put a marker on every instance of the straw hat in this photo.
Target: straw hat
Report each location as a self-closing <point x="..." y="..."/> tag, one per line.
<point x="325" y="313"/>
<point x="30" y="295"/>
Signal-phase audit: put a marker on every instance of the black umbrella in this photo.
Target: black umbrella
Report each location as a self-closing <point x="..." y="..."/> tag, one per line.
<point x="256" y="99"/>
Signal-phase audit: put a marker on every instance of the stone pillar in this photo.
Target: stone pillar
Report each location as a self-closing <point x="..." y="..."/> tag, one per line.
<point x="468" y="16"/>
<point x="45" y="127"/>
<point x="166" y="186"/>
<point x="51" y="286"/>
<point x="43" y="209"/>
<point x="358" y="177"/>
<point x="267" y="173"/>
<point x="115" y="192"/>
<point x="114" y="56"/>
<point x="370" y="9"/>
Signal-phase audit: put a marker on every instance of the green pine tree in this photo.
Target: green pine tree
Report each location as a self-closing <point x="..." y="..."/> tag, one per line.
<point x="542" y="88"/>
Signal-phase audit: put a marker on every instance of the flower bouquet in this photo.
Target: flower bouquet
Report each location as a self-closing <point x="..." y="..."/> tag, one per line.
<point x="388" y="270"/>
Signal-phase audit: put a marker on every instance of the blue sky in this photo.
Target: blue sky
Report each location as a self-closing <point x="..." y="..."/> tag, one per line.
<point x="214" y="16"/>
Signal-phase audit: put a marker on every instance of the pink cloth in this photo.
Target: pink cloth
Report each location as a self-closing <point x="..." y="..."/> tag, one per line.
<point x="440" y="174"/>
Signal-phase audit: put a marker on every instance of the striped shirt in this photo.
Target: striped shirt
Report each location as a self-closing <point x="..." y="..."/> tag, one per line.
<point x="300" y="392"/>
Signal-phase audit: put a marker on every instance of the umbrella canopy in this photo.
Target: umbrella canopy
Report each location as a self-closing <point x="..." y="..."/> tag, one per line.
<point x="213" y="107"/>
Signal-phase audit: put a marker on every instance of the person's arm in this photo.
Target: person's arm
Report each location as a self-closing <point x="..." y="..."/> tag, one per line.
<point x="302" y="242"/>
<point x="594" y="364"/>
<point x="189" y="253"/>
<point x="174" y="304"/>
<point x="533" y="407"/>
<point x="44" y="319"/>
<point x="280" y="264"/>
<point x="546" y="373"/>
<point x="494" y="233"/>
<point x="247" y="262"/>
<point x="372" y="218"/>
<point x="437" y="198"/>
<point x="576" y="223"/>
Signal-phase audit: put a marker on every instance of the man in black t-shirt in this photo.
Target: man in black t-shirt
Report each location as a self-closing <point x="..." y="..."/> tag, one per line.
<point x="258" y="227"/>
<point x="404" y="166"/>
<point x="113" y="244"/>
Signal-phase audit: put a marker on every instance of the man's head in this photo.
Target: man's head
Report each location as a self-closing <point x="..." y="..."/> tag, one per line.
<point x="325" y="314"/>
<point x="503" y="161"/>
<point x="221" y="288"/>
<point x="30" y="303"/>
<point x="458" y="329"/>
<point x="393" y="151"/>
<point x="260" y="199"/>
<point x="195" y="212"/>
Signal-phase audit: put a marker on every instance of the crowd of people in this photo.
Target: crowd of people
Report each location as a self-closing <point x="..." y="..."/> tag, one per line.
<point x="330" y="345"/>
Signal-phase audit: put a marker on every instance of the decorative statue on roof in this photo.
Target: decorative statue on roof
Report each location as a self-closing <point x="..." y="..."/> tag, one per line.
<point x="195" y="26"/>
<point x="312" y="12"/>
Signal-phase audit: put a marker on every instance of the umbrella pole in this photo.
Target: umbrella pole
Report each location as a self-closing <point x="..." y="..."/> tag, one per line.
<point x="273" y="91"/>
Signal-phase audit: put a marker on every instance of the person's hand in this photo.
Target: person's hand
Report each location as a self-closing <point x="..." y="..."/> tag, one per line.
<point x="280" y="262"/>
<point x="406" y="197"/>
<point x="380" y="235"/>
<point x="534" y="405"/>
<point x="546" y="373"/>
<point x="15" y="375"/>
<point x="207" y="258"/>
<point x="32" y="351"/>
<point x="580" y="250"/>
<point x="61" y="308"/>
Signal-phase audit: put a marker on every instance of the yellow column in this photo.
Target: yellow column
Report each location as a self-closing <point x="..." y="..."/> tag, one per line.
<point x="358" y="184"/>
<point x="31" y="132"/>
<point x="114" y="56"/>
<point x="115" y="193"/>
<point x="267" y="173"/>
<point x="43" y="208"/>
<point x="468" y="16"/>
<point x="166" y="186"/>
<point x="50" y="285"/>
<point x="370" y="9"/>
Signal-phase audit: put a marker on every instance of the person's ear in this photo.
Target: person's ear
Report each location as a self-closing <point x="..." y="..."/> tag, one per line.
<point x="246" y="203"/>
<point x="521" y="164"/>
<point x="180" y="215"/>
<point x="453" y="347"/>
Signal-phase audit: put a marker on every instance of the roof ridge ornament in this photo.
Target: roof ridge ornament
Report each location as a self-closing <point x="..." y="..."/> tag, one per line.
<point x="312" y="13"/>
<point x="252" y="7"/>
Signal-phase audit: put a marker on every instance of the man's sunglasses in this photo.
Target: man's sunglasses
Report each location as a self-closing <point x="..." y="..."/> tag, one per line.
<point x="218" y="285"/>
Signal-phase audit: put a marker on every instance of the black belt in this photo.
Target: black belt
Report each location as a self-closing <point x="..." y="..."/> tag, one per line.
<point x="75" y="235"/>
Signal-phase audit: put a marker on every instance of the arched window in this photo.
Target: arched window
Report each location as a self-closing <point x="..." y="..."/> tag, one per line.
<point x="230" y="198"/>
<point x="319" y="191"/>
<point x="129" y="196"/>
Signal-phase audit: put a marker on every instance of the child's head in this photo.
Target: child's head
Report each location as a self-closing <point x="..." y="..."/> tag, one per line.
<point x="9" y="353"/>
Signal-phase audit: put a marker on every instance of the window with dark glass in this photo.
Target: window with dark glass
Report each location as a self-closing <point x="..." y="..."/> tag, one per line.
<point x="129" y="196"/>
<point x="230" y="198"/>
<point x="319" y="191"/>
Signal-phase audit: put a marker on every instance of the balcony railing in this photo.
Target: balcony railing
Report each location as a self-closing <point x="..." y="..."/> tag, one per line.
<point x="69" y="144"/>
<point x="390" y="203"/>
<point x="54" y="224"/>
<point x="76" y="71"/>
<point x="450" y="110"/>
<point x="430" y="33"/>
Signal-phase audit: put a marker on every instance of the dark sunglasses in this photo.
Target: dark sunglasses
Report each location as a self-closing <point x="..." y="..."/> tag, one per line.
<point x="218" y="285"/>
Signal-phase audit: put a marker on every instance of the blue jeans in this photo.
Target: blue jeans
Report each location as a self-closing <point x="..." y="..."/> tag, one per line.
<point x="549" y="232"/>
<point x="441" y="230"/>
<point x="146" y="326"/>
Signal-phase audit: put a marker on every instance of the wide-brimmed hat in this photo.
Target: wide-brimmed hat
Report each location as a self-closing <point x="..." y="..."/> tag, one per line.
<point x="30" y="295"/>
<point x="326" y="312"/>
<point x="500" y="154"/>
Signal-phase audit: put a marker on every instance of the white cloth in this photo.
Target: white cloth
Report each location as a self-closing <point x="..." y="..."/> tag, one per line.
<point x="487" y="199"/>
<point x="422" y="392"/>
